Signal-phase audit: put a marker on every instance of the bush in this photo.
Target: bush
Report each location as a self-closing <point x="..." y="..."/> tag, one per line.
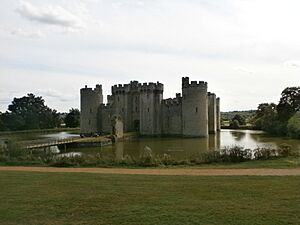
<point x="293" y="126"/>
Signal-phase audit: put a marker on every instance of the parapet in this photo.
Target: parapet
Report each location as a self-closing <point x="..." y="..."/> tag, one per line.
<point x="97" y="89"/>
<point x="152" y="87"/>
<point x="120" y="89"/>
<point x="187" y="84"/>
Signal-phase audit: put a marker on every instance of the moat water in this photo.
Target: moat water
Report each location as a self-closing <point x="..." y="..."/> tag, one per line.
<point x="182" y="148"/>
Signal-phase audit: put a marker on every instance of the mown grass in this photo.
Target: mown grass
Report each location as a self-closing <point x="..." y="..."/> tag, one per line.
<point x="77" y="198"/>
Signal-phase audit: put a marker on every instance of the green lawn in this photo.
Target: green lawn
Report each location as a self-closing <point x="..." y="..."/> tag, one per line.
<point x="77" y="198"/>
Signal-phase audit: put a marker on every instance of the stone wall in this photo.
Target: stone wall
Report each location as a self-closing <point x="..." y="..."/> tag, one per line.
<point x="141" y="108"/>
<point x="194" y="108"/>
<point x="172" y="116"/>
<point x="212" y="113"/>
<point x="90" y="100"/>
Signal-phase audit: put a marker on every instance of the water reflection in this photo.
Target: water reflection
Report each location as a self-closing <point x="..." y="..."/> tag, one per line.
<point x="182" y="148"/>
<point x="238" y="135"/>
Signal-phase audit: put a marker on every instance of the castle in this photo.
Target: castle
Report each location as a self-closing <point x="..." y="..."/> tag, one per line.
<point x="141" y="107"/>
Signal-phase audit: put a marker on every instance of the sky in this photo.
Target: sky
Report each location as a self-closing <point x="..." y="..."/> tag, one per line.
<point x="247" y="50"/>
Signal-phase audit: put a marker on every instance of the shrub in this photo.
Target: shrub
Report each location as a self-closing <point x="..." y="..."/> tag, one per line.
<point x="293" y="126"/>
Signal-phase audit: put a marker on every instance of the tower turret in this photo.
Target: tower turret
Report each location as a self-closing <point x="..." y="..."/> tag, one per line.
<point x="90" y="100"/>
<point x="151" y="95"/>
<point x="194" y="108"/>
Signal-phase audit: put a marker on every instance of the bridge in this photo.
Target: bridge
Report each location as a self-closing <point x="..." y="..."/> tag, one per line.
<point x="52" y="143"/>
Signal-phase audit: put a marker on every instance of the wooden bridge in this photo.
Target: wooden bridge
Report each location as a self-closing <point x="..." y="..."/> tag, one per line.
<point x="52" y="143"/>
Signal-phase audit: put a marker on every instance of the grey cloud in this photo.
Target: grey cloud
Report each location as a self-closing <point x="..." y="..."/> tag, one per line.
<point x="51" y="15"/>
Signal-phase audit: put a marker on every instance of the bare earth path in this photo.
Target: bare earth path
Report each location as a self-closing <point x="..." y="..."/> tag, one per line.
<point x="175" y="171"/>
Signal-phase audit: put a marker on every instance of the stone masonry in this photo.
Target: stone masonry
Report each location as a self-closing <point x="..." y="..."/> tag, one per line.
<point x="141" y="107"/>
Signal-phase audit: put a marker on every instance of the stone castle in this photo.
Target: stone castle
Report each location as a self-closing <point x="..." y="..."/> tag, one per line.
<point x="141" y="107"/>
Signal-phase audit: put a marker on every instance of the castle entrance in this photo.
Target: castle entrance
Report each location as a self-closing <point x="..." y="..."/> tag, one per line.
<point x="136" y="125"/>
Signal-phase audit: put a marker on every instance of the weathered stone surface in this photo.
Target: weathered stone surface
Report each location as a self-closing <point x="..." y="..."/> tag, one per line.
<point x="141" y="107"/>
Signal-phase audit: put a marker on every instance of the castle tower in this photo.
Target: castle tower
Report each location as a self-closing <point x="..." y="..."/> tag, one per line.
<point x="218" y="116"/>
<point x="150" y="108"/>
<point x="90" y="100"/>
<point x="194" y="108"/>
<point x="212" y="113"/>
<point x="120" y="99"/>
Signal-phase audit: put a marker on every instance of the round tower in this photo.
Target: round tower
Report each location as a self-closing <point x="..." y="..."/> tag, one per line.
<point x="194" y="108"/>
<point x="90" y="100"/>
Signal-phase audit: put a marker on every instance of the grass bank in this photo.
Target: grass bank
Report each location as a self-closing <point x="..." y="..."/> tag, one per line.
<point x="66" y="198"/>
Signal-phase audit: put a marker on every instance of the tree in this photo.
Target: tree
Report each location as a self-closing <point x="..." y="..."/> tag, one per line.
<point x="72" y="119"/>
<point x="30" y="112"/>
<point x="240" y="119"/>
<point x="289" y="103"/>
<point x="293" y="126"/>
<point x="265" y="116"/>
<point x="235" y="124"/>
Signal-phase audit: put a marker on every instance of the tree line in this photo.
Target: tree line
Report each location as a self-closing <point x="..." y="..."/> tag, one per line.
<point x="30" y="112"/>
<point x="282" y="119"/>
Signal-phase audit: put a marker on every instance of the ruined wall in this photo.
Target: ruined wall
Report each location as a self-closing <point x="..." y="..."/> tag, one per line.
<point x="90" y="100"/>
<point x="212" y="113"/>
<point x="194" y="108"/>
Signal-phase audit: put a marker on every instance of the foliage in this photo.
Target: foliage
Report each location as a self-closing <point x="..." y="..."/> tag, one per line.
<point x="72" y="119"/>
<point x="244" y="117"/>
<point x="289" y="103"/>
<point x="240" y="119"/>
<point x="29" y="112"/>
<point x="234" y="124"/>
<point x="293" y="126"/>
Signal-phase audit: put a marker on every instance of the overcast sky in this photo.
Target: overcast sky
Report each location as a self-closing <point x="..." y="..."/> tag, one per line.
<point x="247" y="50"/>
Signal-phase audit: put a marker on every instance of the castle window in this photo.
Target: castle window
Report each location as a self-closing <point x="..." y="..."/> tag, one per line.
<point x="148" y="96"/>
<point x="89" y="122"/>
<point x="122" y="109"/>
<point x="148" y="109"/>
<point x="196" y="109"/>
<point x="135" y="109"/>
<point x="118" y="98"/>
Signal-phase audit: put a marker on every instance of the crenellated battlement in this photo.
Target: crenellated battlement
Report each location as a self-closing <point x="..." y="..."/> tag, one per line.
<point x="97" y="89"/>
<point x="146" y="87"/>
<point x="120" y="89"/>
<point x="171" y="101"/>
<point x="193" y="84"/>
<point x="191" y="113"/>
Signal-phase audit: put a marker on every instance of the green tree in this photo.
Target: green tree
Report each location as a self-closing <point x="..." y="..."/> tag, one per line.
<point x="235" y="124"/>
<point x="265" y="116"/>
<point x="30" y="112"/>
<point x="289" y="103"/>
<point x="240" y="119"/>
<point x="293" y="126"/>
<point x="72" y="119"/>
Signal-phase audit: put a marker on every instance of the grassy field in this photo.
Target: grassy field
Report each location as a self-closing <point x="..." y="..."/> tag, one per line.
<point x="69" y="198"/>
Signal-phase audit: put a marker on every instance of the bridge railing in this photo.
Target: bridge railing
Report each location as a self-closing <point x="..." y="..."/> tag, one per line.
<point x="52" y="143"/>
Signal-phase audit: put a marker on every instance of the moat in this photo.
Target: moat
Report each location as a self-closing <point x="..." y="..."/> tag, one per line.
<point x="182" y="148"/>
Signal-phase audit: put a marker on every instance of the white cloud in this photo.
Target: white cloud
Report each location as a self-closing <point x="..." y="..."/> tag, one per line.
<point x="292" y="63"/>
<point x="51" y="15"/>
<point x="26" y="34"/>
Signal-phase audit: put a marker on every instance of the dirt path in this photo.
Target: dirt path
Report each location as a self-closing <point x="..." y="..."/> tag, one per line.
<point x="175" y="171"/>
